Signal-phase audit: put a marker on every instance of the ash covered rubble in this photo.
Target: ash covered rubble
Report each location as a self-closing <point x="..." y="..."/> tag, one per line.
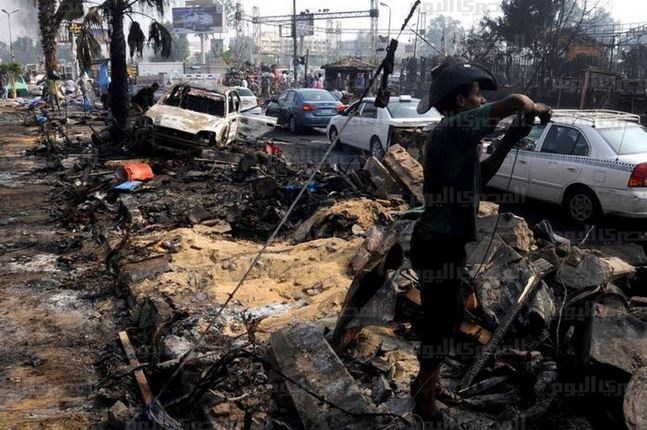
<point x="324" y="333"/>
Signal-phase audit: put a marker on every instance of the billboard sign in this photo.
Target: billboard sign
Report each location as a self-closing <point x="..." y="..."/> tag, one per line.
<point x="305" y="24"/>
<point x="207" y="19"/>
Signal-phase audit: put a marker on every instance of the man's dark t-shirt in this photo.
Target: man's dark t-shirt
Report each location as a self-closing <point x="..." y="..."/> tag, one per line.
<point x="452" y="181"/>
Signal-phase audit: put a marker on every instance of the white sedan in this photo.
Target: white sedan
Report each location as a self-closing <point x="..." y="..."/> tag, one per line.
<point x="592" y="162"/>
<point x="371" y="129"/>
<point x="249" y="102"/>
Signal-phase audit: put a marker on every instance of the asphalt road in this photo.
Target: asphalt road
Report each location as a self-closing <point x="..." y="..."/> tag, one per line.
<point x="308" y="148"/>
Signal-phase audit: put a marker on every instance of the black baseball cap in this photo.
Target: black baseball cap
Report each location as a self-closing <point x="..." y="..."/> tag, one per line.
<point x="451" y="74"/>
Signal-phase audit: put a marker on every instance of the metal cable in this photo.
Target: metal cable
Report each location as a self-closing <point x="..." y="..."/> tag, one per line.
<point x="231" y="295"/>
<point x="498" y="218"/>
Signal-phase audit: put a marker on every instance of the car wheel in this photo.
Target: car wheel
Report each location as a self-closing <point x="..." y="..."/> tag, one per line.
<point x="292" y="125"/>
<point x="582" y="205"/>
<point x="377" y="150"/>
<point x="333" y="134"/>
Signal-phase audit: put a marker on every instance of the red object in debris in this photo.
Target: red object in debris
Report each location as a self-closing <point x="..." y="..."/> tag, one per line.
<point x="135" y="172"/>
<point x="272" y="149"/>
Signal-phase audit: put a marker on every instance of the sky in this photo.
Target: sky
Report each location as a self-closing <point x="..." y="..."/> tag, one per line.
<point x="466" y="11"/>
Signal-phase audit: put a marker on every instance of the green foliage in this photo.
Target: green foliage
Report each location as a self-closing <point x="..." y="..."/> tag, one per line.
<point x="11" y="68"/>
<point x="228" y="57"/>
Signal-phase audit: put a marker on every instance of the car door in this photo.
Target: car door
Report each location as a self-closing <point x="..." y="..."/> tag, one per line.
<point x="273" y="107"/>
<point x="558" y="162"/>
<point x="351" y="134"/>
<point x="287" y="107"/>
<point x="232" y="115"/>
<point x="519" y="169"/>
<point x="366" y="123"/>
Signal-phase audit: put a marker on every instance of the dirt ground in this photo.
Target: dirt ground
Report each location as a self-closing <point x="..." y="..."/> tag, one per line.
<point x="306" y="281"/>
<point x="51" y="322"/>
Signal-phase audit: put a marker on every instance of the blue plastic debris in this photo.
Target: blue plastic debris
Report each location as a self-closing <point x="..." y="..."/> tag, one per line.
<point x="128" y="186"/>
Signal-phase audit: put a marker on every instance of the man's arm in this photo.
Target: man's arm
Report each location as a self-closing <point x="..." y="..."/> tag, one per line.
<point x="519" y="103"/>
<point x="517" y="131"/>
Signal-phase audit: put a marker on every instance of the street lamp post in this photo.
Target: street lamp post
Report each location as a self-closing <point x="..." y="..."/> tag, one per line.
<point x="13" y="58"/>
<point x="389" y="7"/>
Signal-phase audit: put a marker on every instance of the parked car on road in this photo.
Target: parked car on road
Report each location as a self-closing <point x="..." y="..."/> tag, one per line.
<point x="592" y="162"/>
<point x="302" y="108"/>
<point x="194" y="115"/>
<point x="248" y="100"/>
<point x="372" y="128"/>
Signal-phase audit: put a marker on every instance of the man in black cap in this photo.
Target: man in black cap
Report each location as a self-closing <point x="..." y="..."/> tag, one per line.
<point x="453" y="176"/>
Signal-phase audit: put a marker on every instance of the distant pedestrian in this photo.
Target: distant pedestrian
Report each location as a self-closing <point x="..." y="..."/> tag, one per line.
<point x="318" y="82"/>
<point x="3" y="88"/>
<point x="82" y="85"/>
<point x="52" y="91"/>
<point x="339" y="83"/>
<point x="361" y="81"/>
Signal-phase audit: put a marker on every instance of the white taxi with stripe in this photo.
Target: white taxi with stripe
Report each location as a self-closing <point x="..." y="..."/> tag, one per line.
<point x="592" y="162"/>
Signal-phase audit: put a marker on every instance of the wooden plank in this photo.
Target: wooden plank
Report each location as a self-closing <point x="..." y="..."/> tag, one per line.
<point x="406" y="170"/>
<point x="140" y="377"/>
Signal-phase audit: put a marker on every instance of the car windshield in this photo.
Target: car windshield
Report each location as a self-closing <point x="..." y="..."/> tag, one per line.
<point x="197" y="100"/>
<point x="408" y="110"/>
<point x="535" y="132"/>
<point x="631" y="139"/>
<point x="244" y="92"/>
<point x="317" y="96"/>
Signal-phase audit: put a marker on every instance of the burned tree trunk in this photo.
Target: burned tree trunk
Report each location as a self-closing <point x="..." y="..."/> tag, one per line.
<point x="119" y="71"/>
<point x="48" y="30"/>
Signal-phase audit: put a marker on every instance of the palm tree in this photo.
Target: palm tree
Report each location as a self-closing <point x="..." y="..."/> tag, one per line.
<point x="113" y="12"/>
<point x="48" y="30"/>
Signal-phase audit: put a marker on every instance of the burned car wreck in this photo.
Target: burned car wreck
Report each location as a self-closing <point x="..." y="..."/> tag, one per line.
<point x="196" y="115"/>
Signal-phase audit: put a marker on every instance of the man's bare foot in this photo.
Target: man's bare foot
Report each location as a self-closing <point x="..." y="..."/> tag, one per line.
<point x="423" y="392"/>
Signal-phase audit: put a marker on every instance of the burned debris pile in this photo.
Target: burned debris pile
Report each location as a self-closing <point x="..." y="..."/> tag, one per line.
<point x="324" y="331"/>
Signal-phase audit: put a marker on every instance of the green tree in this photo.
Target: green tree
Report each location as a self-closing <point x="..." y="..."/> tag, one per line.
<point x="228" y="57"/>
<point x="11" y="70"/>
<point x="26" y="50"/>
<point x="113" y="13"/>
<point x="444" y="33"/>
